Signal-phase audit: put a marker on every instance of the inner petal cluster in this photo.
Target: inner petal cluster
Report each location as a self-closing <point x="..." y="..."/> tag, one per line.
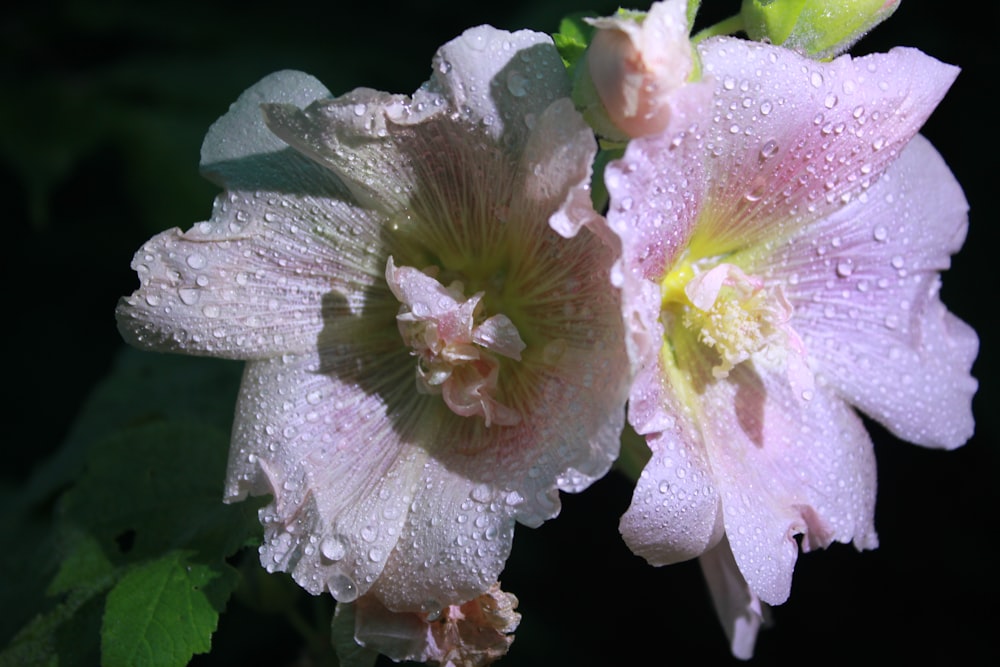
<point x="456" y="346"/>
<point x="735" y="314"/>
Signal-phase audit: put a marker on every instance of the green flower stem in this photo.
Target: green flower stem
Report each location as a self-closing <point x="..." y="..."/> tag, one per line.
<point x="730" y="26"/>
<point x="634" y="454"/>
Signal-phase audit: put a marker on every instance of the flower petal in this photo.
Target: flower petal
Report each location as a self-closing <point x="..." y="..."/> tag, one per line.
<point x="261" y="278"/>
<point x="555" y="169"/>
<point x="675" y="514"/>
<point x="739" y="610"/>
<point x="789" y="141"/>
<point x="328" y="452"/>
<point x="865" y="292"/>
<point x="784" y="466"/>
<point x="367" y="137"/>
<point x="475" y="633"/>
<point x="236" y="151"/>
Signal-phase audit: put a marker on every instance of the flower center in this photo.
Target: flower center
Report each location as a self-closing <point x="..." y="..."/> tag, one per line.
<point x="457" y="348"/>
<point x="734" y="314"/>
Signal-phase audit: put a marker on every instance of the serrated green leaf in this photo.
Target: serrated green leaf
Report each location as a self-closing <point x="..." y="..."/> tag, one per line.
<point x="573" y="37"/>
<point x="158" y="487"/>
<point x="85" y="562"/>
<point x="64" y="635"/>
<point x="163" y="612"/>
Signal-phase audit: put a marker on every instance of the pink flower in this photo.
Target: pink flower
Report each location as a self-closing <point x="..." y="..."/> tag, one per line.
<point x="636" y="64"/>
<point x="428" y="360"/>
<point x="781" y="259"/>
<point x="469" y="635"/>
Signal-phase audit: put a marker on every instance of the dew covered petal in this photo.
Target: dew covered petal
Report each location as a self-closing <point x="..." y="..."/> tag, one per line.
<point x="865" y="292"/>
<point x="675" y="514"/>
<point x="239" y="150"/>
<point x="789" y="140"/>
<point x="331" y="454"/>
<point x="475" y="633"/>
<point x="262" y="277"/>
<point x="785" y="466"/>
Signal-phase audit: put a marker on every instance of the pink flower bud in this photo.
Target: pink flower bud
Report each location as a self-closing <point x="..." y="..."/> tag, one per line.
<point x="636" y="61"/>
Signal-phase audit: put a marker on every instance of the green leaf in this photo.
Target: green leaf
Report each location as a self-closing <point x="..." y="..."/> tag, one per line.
<point x="573" y="37"/>
<point x="85" y="562"/>
<point x="163" y="612"/>
<point x="64" y="635"/>
<point x="143" y="387"/>
<point x="157" y="487"/>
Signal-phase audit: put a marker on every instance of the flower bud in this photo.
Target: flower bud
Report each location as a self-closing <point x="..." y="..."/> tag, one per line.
<point x="633" y="64"/>
<point x="817" y="28"/>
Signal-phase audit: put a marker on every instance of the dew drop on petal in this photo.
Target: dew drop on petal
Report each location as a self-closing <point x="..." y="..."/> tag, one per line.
<point x="333" y="548"/>
<point x="342" y="587"/>
<point x="769" y="148"/>
<point x="517" y="84"/>
<point x="188" y="295"/>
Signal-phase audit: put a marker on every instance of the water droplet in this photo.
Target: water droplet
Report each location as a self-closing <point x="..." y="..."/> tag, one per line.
<point x="816" y="79"/>
<point x="880" y="233"/>
<point x="830" y="101"/>
<point x="845" y="267"/>
<point x="196" y="261"/>
<point x="517" y="84"/>
<point x="359" y="109"/>
<point x="765" y="108"/>
<point x="188" y="295"/>
<point x="897" y="262"/>
<point x="769" y="148"/>
<point x="210" y="311"/>
<point x="153" y="300"/>
<point x="342" y="588"/>
<point x="333" y="548"/>
<point x="807" y="395"/>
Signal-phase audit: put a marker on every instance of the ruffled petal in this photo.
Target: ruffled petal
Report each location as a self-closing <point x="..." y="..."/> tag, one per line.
<point x="481" y="79"/>
<point x="261" y="278"/>
<point x="457" y="539"/>
<point x="331" y="456"/>
<point x="555" y="169"/>
<point x="472" y="634"/>
<point x="500" y="80"/>
<point x="238" y="150"/>
<point x="864" y="283"/>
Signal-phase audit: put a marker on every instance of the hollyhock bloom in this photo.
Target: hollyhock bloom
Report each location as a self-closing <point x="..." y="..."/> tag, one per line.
<point x="781" y="259"/>
<point x="636" y="63"/>
<point x="428" y="361"/>
<point x="468" y="635"/>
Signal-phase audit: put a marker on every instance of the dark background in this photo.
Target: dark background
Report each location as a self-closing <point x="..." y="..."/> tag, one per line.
<point x="103" y="109"/>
